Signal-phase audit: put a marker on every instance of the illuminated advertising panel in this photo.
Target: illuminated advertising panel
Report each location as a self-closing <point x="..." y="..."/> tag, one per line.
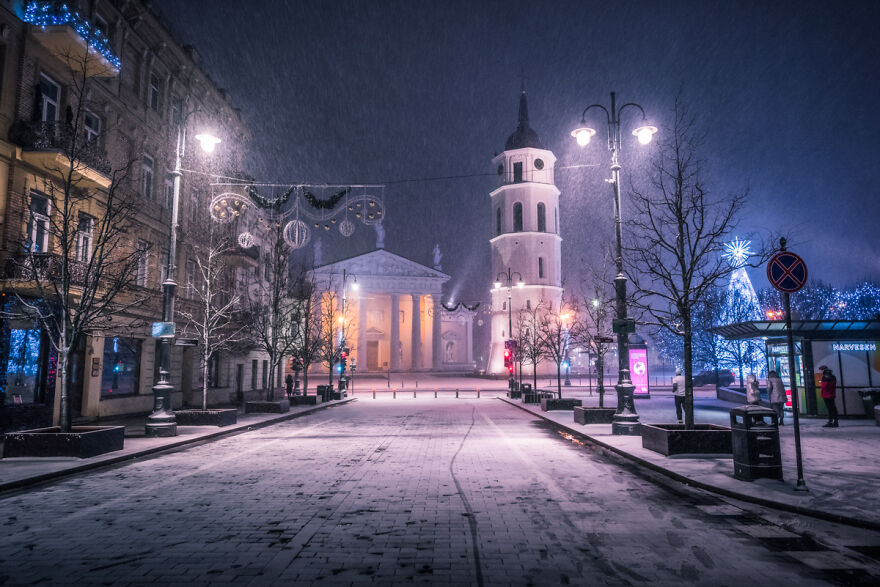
<point x="638" y="369"/>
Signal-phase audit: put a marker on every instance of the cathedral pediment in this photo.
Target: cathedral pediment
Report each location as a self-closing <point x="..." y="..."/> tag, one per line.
<point x="381" y="263"/>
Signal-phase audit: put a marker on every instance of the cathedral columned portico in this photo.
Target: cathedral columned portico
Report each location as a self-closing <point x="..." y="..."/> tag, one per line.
<point x="395" y="319"/>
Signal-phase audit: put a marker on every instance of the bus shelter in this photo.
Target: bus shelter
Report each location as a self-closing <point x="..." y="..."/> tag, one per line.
<point x="848" y="347"/>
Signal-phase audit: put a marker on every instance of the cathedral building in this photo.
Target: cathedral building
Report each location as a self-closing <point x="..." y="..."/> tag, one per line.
<point x="525" y="243"/>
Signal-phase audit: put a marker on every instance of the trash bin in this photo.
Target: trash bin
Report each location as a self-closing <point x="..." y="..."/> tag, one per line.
<point x="528" y="396"/>
<point x="326" y="392"/>
<point x="755" y="438"/>
<point x="871" y="399"/>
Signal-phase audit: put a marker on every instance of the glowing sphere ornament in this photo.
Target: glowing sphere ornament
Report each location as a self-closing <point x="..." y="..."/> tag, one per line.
<point x="297" y="234"/>
<point x="227" y="207"/>
<point x="346" y="228"/>
<point x="246" y="240"/>
<point x="737" y="252"/>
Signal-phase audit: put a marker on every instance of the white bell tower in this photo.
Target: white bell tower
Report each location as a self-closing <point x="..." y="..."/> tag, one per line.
<point x="525" y="234"/>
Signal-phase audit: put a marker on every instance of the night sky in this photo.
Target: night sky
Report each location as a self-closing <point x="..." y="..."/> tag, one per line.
<point x="399" y="92"/>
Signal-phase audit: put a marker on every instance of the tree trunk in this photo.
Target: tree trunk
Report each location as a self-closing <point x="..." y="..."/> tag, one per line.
<point x="205" y="381"/>
<point x="559" y="380"/>
<point x="600" y="375"/>
<point x="64" y="407"/>
<point x="688" y="373"/>
<point x="305" y="390"/>
<point x="535" y="376"/>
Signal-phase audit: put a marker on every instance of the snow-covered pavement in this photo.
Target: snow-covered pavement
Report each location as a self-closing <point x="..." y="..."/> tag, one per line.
<point x="463" y="492"/>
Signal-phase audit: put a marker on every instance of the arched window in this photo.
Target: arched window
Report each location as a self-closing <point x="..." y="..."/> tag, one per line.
<point x="517" y="217"/>
<point x="504" y="306"/>
<point x="541" y="267"/>
<point x="542" y="220"/>
<point x="498" y="221"/>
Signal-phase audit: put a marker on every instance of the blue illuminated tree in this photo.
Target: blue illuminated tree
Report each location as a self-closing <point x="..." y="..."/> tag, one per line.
<point x="740" y="305"/>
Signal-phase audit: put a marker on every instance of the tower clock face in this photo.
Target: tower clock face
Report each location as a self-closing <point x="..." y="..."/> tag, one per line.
<point x="539" y="164"/>
<point x="500" y="169"/>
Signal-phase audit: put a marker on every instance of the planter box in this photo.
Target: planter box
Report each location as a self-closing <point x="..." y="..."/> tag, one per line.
<point x="82" y="442"/>
<point x="535" y="397"/>
<point x="516" y="394"/>
<point x="594" y="415"/>
<point x="548" y="404"/>
<point x="225" y="417"/>
<point x="305" y="400"/>
<point x="266" y="407"/>
<point x="673" y="439"/>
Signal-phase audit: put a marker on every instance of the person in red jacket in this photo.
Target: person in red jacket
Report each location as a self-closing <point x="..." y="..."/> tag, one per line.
<point x="828" y="386"/>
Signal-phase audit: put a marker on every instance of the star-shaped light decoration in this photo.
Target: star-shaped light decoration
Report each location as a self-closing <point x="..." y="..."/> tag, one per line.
<point x="737" y="252"/>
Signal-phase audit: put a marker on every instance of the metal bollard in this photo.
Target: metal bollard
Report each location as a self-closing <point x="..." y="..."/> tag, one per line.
<point x="414" y="393"/>
<point x="374" y="394"/>
<point x="435" y="393"/>
<point x="456" y="394"/>
<point x="394" y="396"/>
<point x="478" y="393"/>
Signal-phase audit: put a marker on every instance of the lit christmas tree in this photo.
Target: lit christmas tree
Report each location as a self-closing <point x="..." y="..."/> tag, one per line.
<point x="741" y="305"/>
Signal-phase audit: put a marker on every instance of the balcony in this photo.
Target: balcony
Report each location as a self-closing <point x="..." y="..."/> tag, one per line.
<point x="71" y="38"/>
<point x="42" y="267"/>
<point x="47" y="145"/>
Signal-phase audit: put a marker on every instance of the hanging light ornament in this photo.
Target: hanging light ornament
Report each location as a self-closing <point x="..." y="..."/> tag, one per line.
<point x="246" y="240"/>
<point x="227" y="207"/>
<point x="297" y="234"/>
<point x="346" y="228"/>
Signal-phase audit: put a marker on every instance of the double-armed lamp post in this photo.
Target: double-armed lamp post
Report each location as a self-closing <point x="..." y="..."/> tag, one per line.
<point x="161" y="422"/>
<point x="342" y="346"/>
<point x="626" y="420"/>
<point x="519" y="283"/>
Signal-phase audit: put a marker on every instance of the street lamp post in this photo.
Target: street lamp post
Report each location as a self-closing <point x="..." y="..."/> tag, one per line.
<point x="520" y="283"/>
<point x="161" y="422"/>
<point x="626" y="420"/>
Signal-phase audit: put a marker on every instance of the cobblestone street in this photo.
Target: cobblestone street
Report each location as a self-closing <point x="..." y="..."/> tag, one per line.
<point x="429" y="491"/>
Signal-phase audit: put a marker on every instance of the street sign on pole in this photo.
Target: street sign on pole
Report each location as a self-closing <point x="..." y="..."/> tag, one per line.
<point x="788" y="273"/>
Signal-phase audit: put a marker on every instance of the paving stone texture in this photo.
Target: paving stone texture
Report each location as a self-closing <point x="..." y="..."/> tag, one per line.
<point x="455" y="492"/>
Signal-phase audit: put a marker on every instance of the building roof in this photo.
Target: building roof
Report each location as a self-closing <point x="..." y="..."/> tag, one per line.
<point x="806" y="329"/>
<point x="523" y="136"/>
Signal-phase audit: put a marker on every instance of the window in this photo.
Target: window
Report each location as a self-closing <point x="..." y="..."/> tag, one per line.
<point x="214" y="370"/>
<point x="142" y="263"/>
<point x="498" y="221"/>
<point x="528" y="304"/>
<point x="147" y="176"/>
<point x="50" y="97"/>
<point x="254" y="369"/>
<point x="163" y="265"/>
<point x="542" y="219"/>
<point x="176" y="110"/>
<point x="38" y="229"/>
<point x="517" y="217"/>
<point x="517" y="172"/>
<point x="92" y="127"/>
<point x="84" y="236"/>
<point x="190" y="278"/>
<point x="121" y="367"/>
<point x="541" y="267"/>
<point x="154" y="95"/>
<point x="194" y="198"/>
<point x="169" y="189"/>
<point x="265" y="374"/>
<point x="504" y="306"/>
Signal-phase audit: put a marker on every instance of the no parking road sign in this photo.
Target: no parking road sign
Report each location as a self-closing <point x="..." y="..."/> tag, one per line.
<point x="787" y="272"/>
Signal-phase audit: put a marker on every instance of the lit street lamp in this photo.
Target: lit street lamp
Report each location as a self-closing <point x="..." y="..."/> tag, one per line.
<point x="161" y="422"/>
<point x="626" y="420"/>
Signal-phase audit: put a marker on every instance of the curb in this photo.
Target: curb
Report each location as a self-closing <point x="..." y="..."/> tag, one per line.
<point x="795" y="509"/>
<point x="115" y="460"/>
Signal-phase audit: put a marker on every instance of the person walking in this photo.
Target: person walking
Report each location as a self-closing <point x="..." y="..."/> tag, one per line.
<point x="776" y="391"/>
<point x="288" y="382"/>
<point x="678" y="393"/>
<point x="753" y="393"/>
<point x="828" y="386"/>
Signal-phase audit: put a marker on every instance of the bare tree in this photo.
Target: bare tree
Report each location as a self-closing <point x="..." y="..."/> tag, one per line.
<point x="306" y="349"/>
<point x="556" y="328"/>
<point x="332" y="321"/>
<point x="211" y="318"/>
<point x="596" y="331"/>
<point x="79" y="258"/>
<point x="679" y="231"/>
<point x="528" y="345"/>
<point x="271" y="306"/>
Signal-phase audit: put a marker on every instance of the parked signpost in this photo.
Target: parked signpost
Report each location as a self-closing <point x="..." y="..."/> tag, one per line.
<point x="788" y="273"/>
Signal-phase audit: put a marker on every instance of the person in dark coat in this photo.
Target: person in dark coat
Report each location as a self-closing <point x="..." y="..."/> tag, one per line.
<point x="828" y="386"/>
<point x="776" y="391"/>
<point x="288" y="381"/>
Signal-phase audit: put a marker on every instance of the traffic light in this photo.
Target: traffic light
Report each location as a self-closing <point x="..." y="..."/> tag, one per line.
<point x="343" y="359"/>
<point x="509" y="354"/>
